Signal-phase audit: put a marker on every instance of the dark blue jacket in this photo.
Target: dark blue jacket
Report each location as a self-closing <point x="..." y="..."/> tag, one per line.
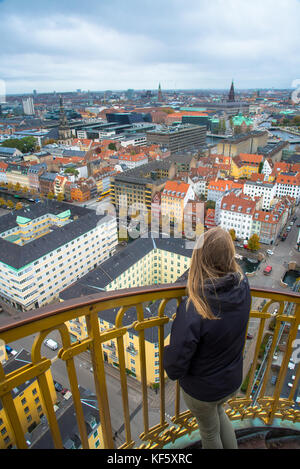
<point x="207" y="355"/>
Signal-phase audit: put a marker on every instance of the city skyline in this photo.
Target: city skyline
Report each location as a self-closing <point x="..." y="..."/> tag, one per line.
<point x="55" y="46"/>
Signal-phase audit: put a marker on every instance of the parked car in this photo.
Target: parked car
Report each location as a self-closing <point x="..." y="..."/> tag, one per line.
<point x="63" y="391"/>
<point x="51" y="344"/>
<point x="268" y="270"/>
<point x="298" y="226"/>
<point x="270" y="252"/>
<point x="10" y="350"/>
<point x="249" y="336"/>
<point x="273" y="379"/>
<point x="58" y="386"/>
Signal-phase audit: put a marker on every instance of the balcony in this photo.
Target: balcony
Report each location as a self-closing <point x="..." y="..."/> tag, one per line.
<point x="256" y="407"/>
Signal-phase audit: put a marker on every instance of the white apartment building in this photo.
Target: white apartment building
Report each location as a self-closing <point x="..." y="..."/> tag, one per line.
<point x="236" y="213"/>
<point x="261" y="189"/>
<point x="48" y="247"/>
<point x="288" y="184"/>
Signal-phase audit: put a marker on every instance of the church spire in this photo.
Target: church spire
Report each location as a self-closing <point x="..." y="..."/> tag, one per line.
<point x="159" y="96"/>
<point x="231" y="96"/>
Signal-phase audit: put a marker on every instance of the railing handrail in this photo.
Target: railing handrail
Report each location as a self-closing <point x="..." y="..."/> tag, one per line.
<point x="56" y="316"/>
<point x="101" y="297"/>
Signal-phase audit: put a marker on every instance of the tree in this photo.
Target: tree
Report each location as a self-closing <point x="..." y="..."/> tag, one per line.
<point x="232" y="234"/>
<point x="25" y="145"/>
<point x="210" y="204"/>
<point x="112" y="146"/>
<point x="60" y="197"/>
<point x="17" y="187"/>
<point x="50" y="196"/>
<point x="10" y="204"/>
<point x="19" y="206"/>
<point x="253" y="242"/>
<point x="2" y="201"/>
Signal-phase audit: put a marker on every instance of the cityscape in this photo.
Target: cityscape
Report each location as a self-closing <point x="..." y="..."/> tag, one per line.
<point x="103" y="196"/>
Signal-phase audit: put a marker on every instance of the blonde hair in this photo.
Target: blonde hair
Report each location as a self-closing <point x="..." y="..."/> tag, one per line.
<point x="213" y="258"/>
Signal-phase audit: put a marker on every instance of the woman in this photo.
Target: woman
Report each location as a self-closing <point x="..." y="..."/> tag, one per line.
<point x="208" y="336"/>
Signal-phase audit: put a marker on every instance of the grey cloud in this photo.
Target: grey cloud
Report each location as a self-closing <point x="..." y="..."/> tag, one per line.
<point x="117" y="44"/>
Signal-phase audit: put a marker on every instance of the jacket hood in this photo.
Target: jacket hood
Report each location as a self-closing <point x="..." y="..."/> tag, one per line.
<point x="226" y="290"/>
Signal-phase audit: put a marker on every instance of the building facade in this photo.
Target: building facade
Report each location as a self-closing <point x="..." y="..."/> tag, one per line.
<point x="47" y="247"/>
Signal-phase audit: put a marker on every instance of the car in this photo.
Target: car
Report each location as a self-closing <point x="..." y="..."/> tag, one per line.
<point x="51" y="344"/>
<point x="291" y="224"/>
<point x="275" y="356"/>
<point x="273" y="379"/>
<point x="288" y="228"/>
<point x="298" y="226"/>
<point x="64" y="391"/>
<point x="249" y="336"/>
<point x="58" y="386"/>
<point x="10" y="350"/>
<point x="290" y="385"/>
<point x="268" y="270"/>
<point x="270" y="252"/>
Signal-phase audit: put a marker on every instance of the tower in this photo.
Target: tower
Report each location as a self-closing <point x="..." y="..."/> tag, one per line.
<point x="159" y="96"/>
<point x="64" y="131"/>
<point x="231" y="97"/>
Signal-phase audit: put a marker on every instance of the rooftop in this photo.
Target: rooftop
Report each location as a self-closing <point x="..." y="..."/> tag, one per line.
<point x="18" y="257"/>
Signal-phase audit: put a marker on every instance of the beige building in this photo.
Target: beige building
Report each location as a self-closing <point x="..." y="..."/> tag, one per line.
<point x="244" y="143"/>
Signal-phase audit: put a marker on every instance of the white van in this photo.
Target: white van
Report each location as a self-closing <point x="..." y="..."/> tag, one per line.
<point x="51" y="344"/>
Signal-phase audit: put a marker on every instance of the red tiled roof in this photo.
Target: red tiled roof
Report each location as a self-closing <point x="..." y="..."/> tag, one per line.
<point x="240" y="204"/>
<point x="178" y="187"/>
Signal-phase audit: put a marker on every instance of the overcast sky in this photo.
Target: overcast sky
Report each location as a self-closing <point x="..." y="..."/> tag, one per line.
<point x="64" y="45"/>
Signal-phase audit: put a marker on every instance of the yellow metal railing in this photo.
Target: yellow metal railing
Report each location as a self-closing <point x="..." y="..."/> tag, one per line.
<point x="43" y="321"/>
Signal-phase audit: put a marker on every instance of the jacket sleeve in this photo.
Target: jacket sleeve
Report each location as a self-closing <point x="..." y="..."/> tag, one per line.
<point x="185" y="337"/>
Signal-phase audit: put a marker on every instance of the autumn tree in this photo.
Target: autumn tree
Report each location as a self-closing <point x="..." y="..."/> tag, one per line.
<point x="19" y="206"/>
<point x="232" y="234"/>
<point x="50" y="195"/>
<point x="10" y="204"/>
<point x="60" y="197"/>
<point x="253" y="242"/>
